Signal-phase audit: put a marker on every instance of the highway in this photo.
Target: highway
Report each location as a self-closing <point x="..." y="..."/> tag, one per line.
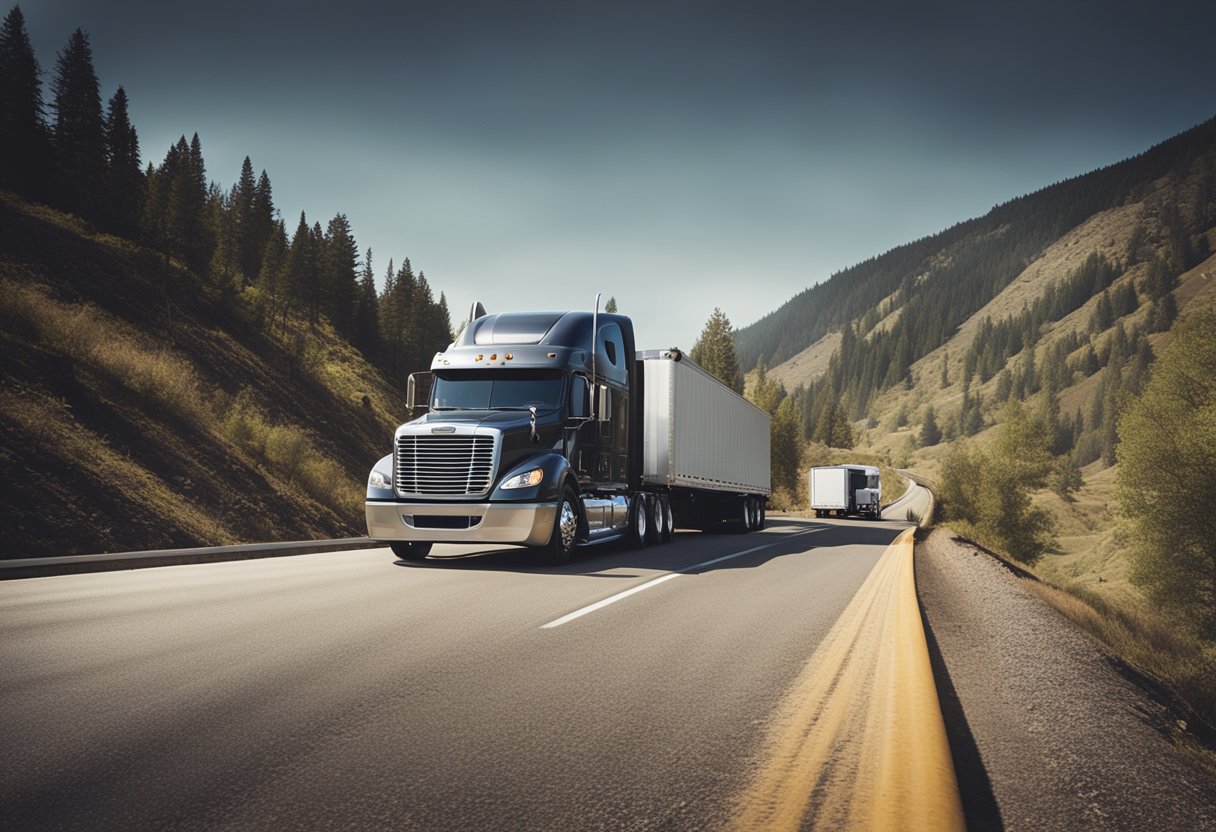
<point x="631" y="689"/>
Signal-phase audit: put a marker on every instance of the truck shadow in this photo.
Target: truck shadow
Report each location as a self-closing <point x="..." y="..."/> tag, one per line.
<point x="684" y="553"/>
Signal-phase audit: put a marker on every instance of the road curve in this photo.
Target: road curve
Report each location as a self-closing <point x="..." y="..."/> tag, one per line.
<point x="346" y="690"/>
<point x="916" y="499"/>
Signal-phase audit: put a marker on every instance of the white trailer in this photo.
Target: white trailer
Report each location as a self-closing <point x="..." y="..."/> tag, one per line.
<point x="702" y="441"/>
<point x="698" y="432"/>
<point x="842" y="490"/>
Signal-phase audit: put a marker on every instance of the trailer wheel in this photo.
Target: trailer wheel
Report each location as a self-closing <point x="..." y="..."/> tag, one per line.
<point x="761" y="512"/>
<point x="669" y="518"/>
<point x="637" y="523"/>
<point x="410" y="550"/>
<point x="655" y="522"/>
<point x="743" y="516"/>
<point x="562" y="541"/>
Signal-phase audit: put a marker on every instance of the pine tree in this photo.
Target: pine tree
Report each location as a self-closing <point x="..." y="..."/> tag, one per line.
<point x="367" y="325"/>
<point x="264" y="219"/>
<point x="1103" y="315"/>
<point x="610" y="306"/>
<point x="767" y="393"/>
<point x="247" y="245"/>
<point x="340" y="265"/>
<point x="842" y="431"/>
<point x="24" y="143"/>
<point x="300" y="268"/>
<point x="785" y="448"/>
<point x="224" y="271"/>
<point x="715" y="351"/>
<point x="198" y="240"/>
<point x="79" y="136"/>
<point x="272" y="274"/>
<point x="930" y="431"/>
<point x="124" y="177"/>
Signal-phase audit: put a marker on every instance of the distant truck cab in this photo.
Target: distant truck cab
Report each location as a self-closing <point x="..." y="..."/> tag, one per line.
<point x="843" y="490"/>
<point x="550" y="430"/>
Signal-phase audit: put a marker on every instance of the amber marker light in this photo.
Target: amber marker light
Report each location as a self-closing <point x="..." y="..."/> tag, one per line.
<point x="553" y="355"/>
<point x="508" y="356"/>
<point x="494" y="357"/>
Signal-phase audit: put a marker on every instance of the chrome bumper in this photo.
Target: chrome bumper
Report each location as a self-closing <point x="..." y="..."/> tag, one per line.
<point x="528" y="524"/>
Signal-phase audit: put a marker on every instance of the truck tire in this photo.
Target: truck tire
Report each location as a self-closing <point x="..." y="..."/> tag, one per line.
<point x="743" y="516"/>
<point x="655" y="522"/>
<point x="410" y="550"/>
<point x="637" y="533"/>
<point x="564" y="536"/>
<point x="669" y="518"/>
<point x="761" y="513"/>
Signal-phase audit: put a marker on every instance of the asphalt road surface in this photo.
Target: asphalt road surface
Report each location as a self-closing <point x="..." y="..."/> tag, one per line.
<point x="350" y="691"/>
<point x="917" y="499"/>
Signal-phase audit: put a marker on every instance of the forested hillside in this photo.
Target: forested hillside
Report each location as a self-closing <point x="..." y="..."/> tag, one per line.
<point x="178" y="369"/>
<point x="909" y="301"/>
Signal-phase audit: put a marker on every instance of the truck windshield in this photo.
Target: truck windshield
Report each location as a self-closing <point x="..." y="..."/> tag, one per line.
<point x="499" y="391"/>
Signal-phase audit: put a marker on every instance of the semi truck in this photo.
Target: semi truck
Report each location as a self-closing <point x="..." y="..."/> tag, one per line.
<point x="550" y="430"/>
<point x="842" y="490"/>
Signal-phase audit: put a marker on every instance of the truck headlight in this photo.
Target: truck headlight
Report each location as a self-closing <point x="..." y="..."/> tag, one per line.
<point x="378" y="480"/>
<point x="524" y="480"/>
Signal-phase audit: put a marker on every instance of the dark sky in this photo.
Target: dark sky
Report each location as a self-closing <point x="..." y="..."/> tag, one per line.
<point x="678" y="156"/>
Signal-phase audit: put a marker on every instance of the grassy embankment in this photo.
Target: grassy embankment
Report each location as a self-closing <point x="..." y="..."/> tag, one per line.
<point x="141" y="408"/>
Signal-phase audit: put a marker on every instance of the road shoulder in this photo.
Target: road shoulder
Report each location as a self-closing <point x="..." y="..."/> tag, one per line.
<point x="1066" y="742"/>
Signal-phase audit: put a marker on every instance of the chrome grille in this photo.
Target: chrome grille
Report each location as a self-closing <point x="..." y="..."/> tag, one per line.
<point x="444" y="465"/>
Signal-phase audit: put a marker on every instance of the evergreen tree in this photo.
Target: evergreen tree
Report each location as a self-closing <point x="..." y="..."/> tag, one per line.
<point x="300" y="269"/>
<point x="367" y="325"/>
<point x="24" y="144"/>
<point x="340" y="275"/>
<point x="1103" y="315"/>
<point x="264" y="219"/>
<point x="610" y="306"/>
<point x="715" y="351"/>
<point x="272" y="274"/>
<point x="930" y="431"/>
<point x="785" y="448"/>
<point x="224" y="271"/>
<point x="946" y="369"/>
<point x="124" y="177"/>
<point x="842" y="431"/>
<point x="766" y="393"/>
<point x="247" y="245"/>
<point x="79" y="135"/>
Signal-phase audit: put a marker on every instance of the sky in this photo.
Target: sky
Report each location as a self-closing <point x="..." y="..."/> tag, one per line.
<point x="677" y="156"/>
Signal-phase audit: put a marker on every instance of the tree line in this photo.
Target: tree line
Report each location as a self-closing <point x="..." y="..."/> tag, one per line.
<point x="72" y="155"/>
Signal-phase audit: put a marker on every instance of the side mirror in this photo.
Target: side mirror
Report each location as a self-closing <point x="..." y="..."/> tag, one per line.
<point x="580" y="402"/>
<point x="418" y="389"/>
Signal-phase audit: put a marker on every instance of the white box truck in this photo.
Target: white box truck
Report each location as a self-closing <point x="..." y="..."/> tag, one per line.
<point x="842" y="490"/>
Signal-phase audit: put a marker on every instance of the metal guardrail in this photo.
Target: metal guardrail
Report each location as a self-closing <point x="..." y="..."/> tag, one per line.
<point x="113" y="561"/>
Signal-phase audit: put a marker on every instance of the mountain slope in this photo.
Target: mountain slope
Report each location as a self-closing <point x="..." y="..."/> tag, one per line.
<point x="141" y="409"/>
<point x="941" y="281"/>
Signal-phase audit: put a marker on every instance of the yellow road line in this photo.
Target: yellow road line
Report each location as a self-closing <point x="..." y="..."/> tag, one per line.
<point x="859" y="742"/>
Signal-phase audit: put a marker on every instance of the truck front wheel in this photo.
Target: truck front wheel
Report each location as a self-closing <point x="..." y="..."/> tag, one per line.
<point x="410" y="550"/>
<point x="562" y="541"/>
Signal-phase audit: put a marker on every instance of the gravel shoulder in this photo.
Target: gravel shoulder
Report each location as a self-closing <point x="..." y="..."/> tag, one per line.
<point x="1046" y="732"/>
